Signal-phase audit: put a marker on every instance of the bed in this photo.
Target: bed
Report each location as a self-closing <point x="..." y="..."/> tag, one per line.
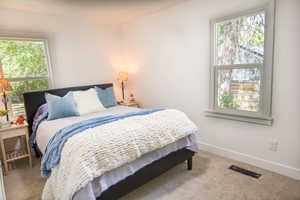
<point x="122" y="180"/>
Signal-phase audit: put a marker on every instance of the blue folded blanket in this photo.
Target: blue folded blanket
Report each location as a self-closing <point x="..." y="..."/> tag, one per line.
<point x="54" y="147"/>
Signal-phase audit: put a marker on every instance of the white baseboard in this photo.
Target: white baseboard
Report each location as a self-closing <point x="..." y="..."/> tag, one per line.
<point x="252" y="160"/>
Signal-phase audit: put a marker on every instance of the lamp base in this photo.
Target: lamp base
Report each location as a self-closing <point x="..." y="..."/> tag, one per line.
<point x="5" y="105"/>
<point x="123" y="91"/>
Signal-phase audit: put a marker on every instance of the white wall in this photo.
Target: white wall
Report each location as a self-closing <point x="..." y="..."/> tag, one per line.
<point x="80" y="51"/>
<point x="167" y="55"/>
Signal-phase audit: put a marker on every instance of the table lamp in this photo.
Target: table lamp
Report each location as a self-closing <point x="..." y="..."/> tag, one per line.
<point x="5" y="88"/>
<point x="123" y="78"/>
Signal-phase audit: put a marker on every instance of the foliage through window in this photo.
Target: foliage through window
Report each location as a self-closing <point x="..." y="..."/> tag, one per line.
<point x="25" y="66"/>
<point x="241" y="62"/>
<point x="241" y="40"/>
<point x="239" y="89"/>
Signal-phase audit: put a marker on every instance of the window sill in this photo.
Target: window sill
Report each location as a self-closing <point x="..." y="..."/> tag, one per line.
<point x="267" y="121"/>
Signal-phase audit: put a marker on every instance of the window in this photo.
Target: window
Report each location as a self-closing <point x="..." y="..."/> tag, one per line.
<point x="241" y="66"/>
<point x="25" y="64"/>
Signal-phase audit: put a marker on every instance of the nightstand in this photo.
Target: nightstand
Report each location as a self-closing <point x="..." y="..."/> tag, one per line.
<point x="14" y="131"/>
<point x="130" y="104"/>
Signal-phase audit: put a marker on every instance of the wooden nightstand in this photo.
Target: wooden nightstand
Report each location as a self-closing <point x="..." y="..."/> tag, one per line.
<point x="130" y="104"/>
<point x="10" y="132"/>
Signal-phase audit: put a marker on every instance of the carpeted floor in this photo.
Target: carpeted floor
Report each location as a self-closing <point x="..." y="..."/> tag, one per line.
<point x="209" y="180"/>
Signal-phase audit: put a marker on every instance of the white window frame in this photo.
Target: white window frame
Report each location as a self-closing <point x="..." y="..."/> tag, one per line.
<point x="32" y="38"/>
<point x="48" y="60"/>
<point x="264" y="115"/>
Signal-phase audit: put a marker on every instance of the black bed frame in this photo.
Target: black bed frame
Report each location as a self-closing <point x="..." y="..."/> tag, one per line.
<point x="33" y="100"/>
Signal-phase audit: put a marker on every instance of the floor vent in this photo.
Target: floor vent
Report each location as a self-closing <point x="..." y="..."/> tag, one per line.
<point x="244" y="171"/>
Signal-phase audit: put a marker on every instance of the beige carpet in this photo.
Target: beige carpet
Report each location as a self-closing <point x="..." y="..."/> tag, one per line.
<point x="209" y="180"/>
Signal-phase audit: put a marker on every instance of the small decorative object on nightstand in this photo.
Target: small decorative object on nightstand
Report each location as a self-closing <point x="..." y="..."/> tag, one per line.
<point x="20" y="120"/>
<point x="8" y="156"/>
<point x="3" y="118"/>
<point x="131" y="98"/>
<point x="130" y="104"/>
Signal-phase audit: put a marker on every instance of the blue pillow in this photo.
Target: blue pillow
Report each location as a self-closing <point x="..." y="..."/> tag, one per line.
<point x="59" y="107"/>
<point x="107" y="96"/>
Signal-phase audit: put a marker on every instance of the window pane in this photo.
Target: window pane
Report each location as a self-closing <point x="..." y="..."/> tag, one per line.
<point x="240" y="40"/>
<point x="239" y="89"/>
<point x="19" y="87"/>
<point x="23" y="58"/>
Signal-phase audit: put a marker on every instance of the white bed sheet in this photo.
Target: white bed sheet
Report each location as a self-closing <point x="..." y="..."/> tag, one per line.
<point x="48" y="128"/>
<point x="94" y="189"/>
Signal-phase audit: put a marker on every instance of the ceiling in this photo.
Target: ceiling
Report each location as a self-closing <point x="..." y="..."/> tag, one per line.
<point x="100" y="11"/>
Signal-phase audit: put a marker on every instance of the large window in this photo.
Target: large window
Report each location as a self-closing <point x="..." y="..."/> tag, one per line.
<point x="25" y="65"/>
<point x="241" y="66"/>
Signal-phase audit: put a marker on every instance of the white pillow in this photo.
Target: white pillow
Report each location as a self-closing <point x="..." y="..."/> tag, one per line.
<point x="87" y="101"/>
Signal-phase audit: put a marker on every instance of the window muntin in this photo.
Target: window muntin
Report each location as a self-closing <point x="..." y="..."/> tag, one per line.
<point x="25" y="65"/>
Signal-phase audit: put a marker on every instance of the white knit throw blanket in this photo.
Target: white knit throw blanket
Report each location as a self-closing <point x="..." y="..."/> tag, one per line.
<point x="95" y="151"/>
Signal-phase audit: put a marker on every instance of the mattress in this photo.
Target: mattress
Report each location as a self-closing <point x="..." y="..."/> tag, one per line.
<point x="94" y="189"/>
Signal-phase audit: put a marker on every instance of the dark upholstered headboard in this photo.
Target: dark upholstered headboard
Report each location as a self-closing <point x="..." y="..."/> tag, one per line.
<point x="33" y="100"/>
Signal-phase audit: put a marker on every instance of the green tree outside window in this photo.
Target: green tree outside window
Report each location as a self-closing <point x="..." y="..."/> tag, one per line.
<point x="25" y="65"/>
